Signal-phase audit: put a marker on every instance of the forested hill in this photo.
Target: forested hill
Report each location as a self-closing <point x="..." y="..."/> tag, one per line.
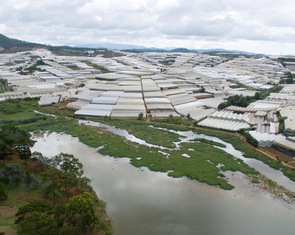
<point x="10" y="45"/>
<point x="13" y="45"/>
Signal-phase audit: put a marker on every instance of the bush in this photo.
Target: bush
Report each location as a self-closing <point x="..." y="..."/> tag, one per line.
<point x="11" y="174"/>
<point x="140" y="116"/>
<point x="3" y="193"/>
<point x="249" y="138"/>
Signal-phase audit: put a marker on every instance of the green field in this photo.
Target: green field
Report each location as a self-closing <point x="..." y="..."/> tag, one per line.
<point x="20" y="111"/>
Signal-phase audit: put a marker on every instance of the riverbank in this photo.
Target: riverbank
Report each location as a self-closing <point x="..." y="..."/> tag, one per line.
<point x="144" y="202"/>
<point x="267" y="185"/>
<point x="199" y="160"/>
<point x="275" y="190"/>
<point x="204" y="164"/>
<point x="28" y="190"/>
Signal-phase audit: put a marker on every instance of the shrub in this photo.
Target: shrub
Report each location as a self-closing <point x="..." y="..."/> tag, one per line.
<point x="11" y="174"/>
<point x="3" y="193"/>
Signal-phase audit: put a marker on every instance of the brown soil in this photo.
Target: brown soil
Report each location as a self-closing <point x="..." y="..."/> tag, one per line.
<point x="278" y="155"/>
<point x="60" y="108"/>
<point x="9" y="208"/>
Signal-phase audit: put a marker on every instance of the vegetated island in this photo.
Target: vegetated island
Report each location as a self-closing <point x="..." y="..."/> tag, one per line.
<point x="40" y="195"/>
<point x="199" y="159"/>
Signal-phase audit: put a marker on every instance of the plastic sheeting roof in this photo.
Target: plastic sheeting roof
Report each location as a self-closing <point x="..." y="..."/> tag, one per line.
<point x="224" y="124"/>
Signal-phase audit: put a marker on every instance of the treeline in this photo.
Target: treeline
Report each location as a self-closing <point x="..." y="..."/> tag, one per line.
<point x="239" y="100"/>
<point x="244" y="101"/>
<point x="289" y="79"/>
<point x="66" y="201"/>
<point x="249" y="138"/>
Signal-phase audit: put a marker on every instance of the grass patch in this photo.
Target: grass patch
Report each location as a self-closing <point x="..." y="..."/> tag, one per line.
<point x="20" y="111"/>
<point x="210" y="142"/>
<point x="98" y="67"/>
<point x="202" y="165"/>
<point x="144" y="130"/>
<point x="250" y="152"/>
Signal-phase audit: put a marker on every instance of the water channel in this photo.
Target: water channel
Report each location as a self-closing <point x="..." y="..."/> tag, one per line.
<point x="141" y="202"/>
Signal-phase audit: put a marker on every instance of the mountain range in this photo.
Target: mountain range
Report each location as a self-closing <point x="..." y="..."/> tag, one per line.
<point x="10" y="45"/>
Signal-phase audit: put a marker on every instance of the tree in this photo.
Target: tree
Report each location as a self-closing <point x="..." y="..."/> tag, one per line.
<point x="68" y="163"/>
<point x="140" y="116"/>
<point x="3" y="151"/>
<point x="53" y="215"/>
<point x="38" y="163"/>
<point x="37" y="223"/>
<point x="52" y="187"/>
<point x="188" y="116"/>
<point x="30" y="180"/>
<point x="11" y="174"/>
<point x="60" y="216"/>
<point x="59" y="183"/>
<point x="3" y="193"/>
<point x="80" y="212"/>
<point x="223" y="105"/>
<point x="14" y="136"/>
<point x="70" y="184"/>
<point x="257" y="95"/>
<point x="23" y="151"/>
<point x="34" y="206"/>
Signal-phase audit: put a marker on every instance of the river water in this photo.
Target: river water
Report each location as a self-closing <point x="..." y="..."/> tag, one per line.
<point x="141" y="202"/>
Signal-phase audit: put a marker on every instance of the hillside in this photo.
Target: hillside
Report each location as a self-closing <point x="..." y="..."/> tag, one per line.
<point x="13" y="45"/>
<point x="10" y="45"/>
<point x="37" y="198"/>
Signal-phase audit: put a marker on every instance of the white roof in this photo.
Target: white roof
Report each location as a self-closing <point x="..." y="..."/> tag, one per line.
<point x="224" y="124"/>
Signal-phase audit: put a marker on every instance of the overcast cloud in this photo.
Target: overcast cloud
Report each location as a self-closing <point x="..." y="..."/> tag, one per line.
<point x="264" y="26"/>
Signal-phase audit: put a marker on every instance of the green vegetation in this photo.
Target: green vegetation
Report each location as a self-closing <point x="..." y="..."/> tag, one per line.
<point x="3" y="193"/>
<point x="32" y="68"/>
<point x="140" y="116"/>
<point x="15" y="45"/>
<point x="178" y="122"/>
<point x="238" y="100"/>
<point x="8" y="43"/>
<point x="95" y="66"/>
<point x="202" y="165"/>
<point x="66" y="51"/>
<point x="3" y="85"/>
<point x="44" y="200"/>
<point x="241" y="85"/>
<point x="200" y="160"/>
<point x="249" y="138"/>
<point x="145" y="131"/>
<point x="289" y="80"/>
<point x="20" y="111"/>
<point x="249" y="152"/>
<point x="210" y="142"/>
<point x="282" y="123"/>
<point x="244" y="101"/>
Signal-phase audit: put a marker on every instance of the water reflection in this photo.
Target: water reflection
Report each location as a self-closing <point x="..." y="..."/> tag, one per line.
<point x="122" y="133"/>
<point x="186" y="136"/>
<point x="141" y="202"/>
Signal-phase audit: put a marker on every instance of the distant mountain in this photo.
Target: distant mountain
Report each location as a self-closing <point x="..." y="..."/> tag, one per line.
<point x="10" y="45"/>
<point x="111" y="46"/>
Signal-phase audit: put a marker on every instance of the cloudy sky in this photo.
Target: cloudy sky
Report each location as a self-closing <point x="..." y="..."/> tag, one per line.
<point x="262" y="26"/>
